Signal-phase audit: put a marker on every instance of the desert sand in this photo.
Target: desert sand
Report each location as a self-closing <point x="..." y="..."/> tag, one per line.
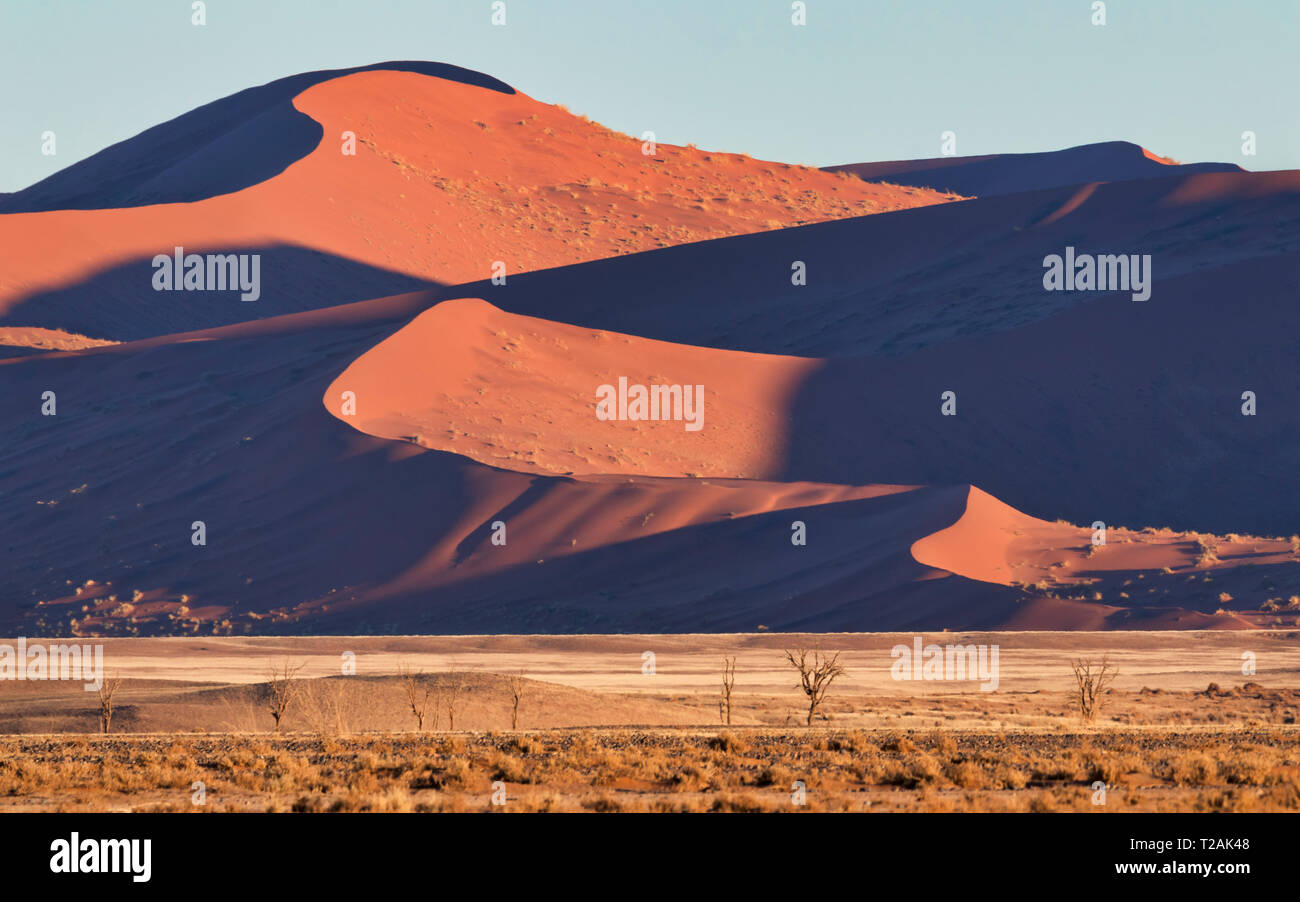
<point x="475" y="398"/>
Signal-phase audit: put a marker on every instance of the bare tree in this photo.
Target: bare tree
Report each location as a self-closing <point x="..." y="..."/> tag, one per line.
<point x="1093" y="679"/>
<point x="816" y="673"/>
<point x="728" y="683"/>
<point x="107" y="690"/>
<point x="455" y="685"/>
<point x="417" y="693"/>
<point x="517" y="685"/>
<point x="280" y="689"/>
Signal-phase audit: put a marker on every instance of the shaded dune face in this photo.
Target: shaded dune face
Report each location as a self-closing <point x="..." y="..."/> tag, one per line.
<point x="432" y="460"/>
<point x="985" y="176"/>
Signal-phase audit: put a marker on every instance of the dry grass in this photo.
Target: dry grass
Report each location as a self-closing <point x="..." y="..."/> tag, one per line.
<point x="728" y="770"/>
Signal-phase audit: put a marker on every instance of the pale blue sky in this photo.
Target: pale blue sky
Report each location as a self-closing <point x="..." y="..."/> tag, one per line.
<point x="863" y="80"/>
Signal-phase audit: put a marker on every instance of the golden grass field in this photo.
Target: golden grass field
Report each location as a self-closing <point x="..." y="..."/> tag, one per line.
<point x="661" y="770"/>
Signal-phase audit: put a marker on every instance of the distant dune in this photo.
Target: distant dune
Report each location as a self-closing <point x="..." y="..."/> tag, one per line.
<point x="474" y="488"/>
<point x="1010" y="173"/>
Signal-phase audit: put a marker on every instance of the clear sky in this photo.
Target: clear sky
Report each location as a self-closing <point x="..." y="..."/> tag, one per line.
<point x="862" y="80"/>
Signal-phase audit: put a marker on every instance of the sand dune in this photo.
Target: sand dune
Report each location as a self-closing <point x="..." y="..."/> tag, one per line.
<point x="977" y="545"/>
<point x="218" y="148"/>
<point x="312" y="525"/>
<point x="474" y="489"/>
<point x="1055" y="390"/>
<point x="520" y="393"/>
<point x="889" y="285"/>
<point x="451" y="177"/>
<point x="516" y="392"/>
<point x="1009" y="173"/>
<point x="315" y="526"/>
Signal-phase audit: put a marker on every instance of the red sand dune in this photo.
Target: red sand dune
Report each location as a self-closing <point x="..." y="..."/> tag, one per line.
<point x="314" y="526"/>
<point x="517" y="392"/>
<point x="448" y="179"/>
<point x="977" y="545"/>
<point x="472" y="413"/>
<point x="1084" y="585"/>
<point x="520" y="393"/>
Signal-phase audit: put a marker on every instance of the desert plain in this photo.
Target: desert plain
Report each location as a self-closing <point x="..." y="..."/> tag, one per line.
<point x="604" y="726"/>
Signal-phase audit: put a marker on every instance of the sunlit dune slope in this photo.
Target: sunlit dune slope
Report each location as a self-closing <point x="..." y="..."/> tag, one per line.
<point x="450" y="182"/>
<point x="521" y="393"/>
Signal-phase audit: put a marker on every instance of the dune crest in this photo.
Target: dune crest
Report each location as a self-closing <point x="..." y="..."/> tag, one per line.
<point x="1011" y="173"/>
